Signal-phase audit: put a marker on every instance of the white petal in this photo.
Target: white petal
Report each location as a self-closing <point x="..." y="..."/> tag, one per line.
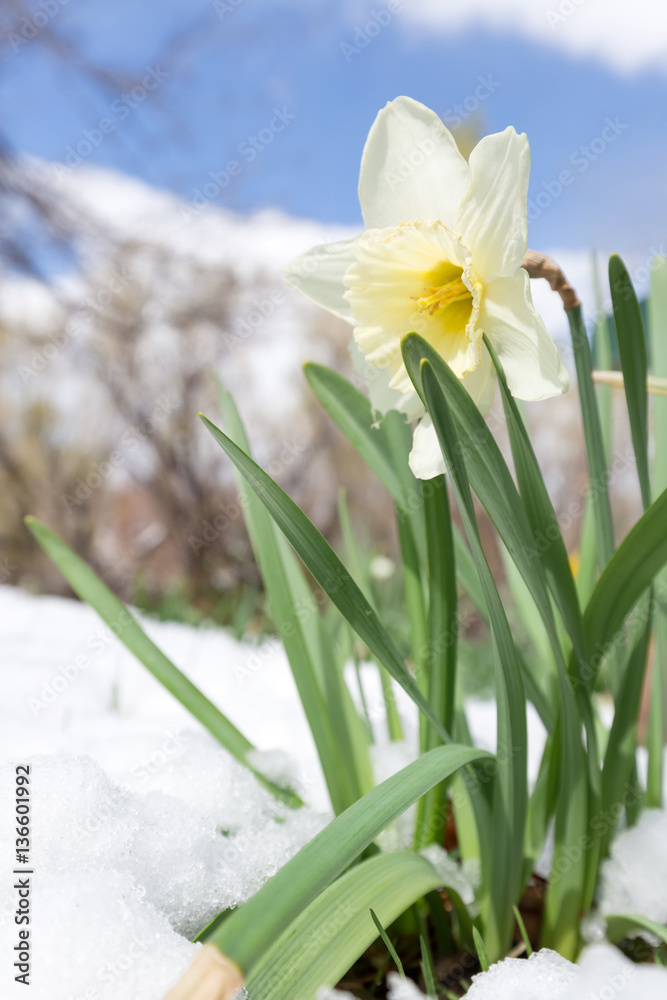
<point x="528" y="354"/>
<point x="493" y="214"/>
<point x="318" y="274"/>
<point x="383" y="398"/>
<point x="411" y="168"/>
<point x="426" y="459"/>
<point x="481" y="383"/>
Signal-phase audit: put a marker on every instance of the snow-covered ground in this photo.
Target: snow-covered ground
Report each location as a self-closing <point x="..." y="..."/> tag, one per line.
<point x="143" y="828"/>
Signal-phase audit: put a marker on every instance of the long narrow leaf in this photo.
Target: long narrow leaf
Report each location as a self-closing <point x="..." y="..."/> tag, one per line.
<point x="440" y="662"/>
<point x="88" y="586"/>
<point x="636" y="563"/>
<point x="622" y="745"/>
<point x="657" y="314"/>
<point x="251" y="930"/>
<point x="510" y="799"/>
<point x="493" y="484"/>
<point x="634" y="362"/>
<point x="541" y="514"/>
<point x="488" y="473"/>
<point x="352" y="413"/>
<point x="327" y="569"/>
<point x="622" y="926"/>
<point x="335" y="930"/>
<point x="595" y="449"/>
<point x="296" y="620"/>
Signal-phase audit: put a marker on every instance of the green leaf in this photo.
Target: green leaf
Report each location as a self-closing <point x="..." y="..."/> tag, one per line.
<point x="442" y="620"/>
<point x="387" y="943"/>
<point x="634" y="363"/>
<point x="491" y="480"/>
<point x="539" y="812"/>
<point x="504" y="870"/>
<point x="351" y="411"/>
<point x="326" y="567"/>
<point x="488" y="473"/>
<point x="595" y="449"/>
<point x="657" y="325"/>
<point x="481" y="949"/>
<point x="378" y="444"/>
<point x="541" y="514"/>
<point x="628" y="925"/>
<point x="296" y="617"/>
<point x="621" y="751"/>
<point x="635" y="564"/>
<point x="523" y="931"/>
<point x="88" y="586"/>
<point x="603" y="359"/>
<point x="415" y="599"/>
<point x="361" y="577"/>
<point x="546" y="530"/>
<point x="323" y="942"/>
<point x="247" y="934"/>
<point x="427" y="967"/>
<point x="440" y="662"/>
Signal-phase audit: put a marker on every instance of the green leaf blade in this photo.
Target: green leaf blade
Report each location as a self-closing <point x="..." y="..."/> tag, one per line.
<point x="335" y="930"/>
<point x="634" y="363"/>
<point x="251" y="930"/>
<point x="326" y="567"/>
<point x="87" y="585"/>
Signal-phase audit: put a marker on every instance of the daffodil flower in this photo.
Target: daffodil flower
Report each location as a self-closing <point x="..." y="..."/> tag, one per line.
<point x="441" y="256"/>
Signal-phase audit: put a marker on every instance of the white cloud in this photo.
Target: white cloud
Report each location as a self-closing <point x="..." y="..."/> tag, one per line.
<point x="627" y="35"/>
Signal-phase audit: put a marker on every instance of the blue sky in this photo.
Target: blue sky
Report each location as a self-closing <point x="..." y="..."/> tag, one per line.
<point x="227" y="69"/>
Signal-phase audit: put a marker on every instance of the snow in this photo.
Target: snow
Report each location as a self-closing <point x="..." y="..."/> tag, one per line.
<point x="634" y="877"/>
<point x="607" y="973"/>
<point x="544" y="976"/>
<point x="453" y="875"/>
<point x="193" y="854"/>
<point x="402" y="989"/>
<point x="144" y="828"/>
<point x="97" y="937"/>
<point x="602" y="973"/>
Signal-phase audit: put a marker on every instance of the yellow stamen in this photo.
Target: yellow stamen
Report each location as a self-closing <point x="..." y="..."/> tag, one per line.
<point x="445" y="295"/>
